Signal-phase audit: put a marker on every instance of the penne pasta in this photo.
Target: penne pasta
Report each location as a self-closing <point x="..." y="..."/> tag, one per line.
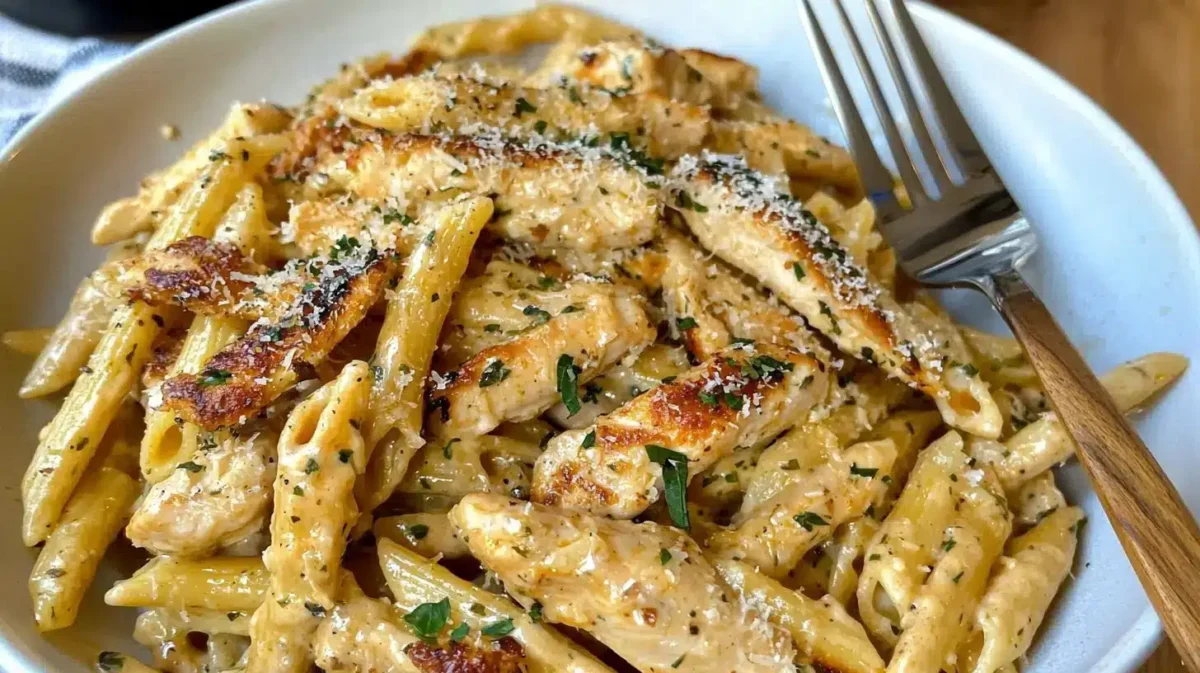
<point x="167" y="442"/>
<point x="407" y="343"/>
<point x="68" y="561"/>
<point x="1044" y="443"/>
<point x="70" y="440"/>
<point x="819" y="488"/>
<point x="416" y="581"/>
<point x="66" y="351"/>
<point x="224" y="584"/>
<point x="822" y="630"/>
<point x="1024" y="583"/>
<point x="321" y="452"/>
<point x="596" y="365"/>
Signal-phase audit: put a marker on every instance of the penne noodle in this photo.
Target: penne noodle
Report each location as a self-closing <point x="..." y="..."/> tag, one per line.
<point x="225" y="584"/>
<point x="67" y="563"/>
<point x="427" y="534"/>
<point x="321" y="452"/>
<point x="27" y="341"/>
<point x="66" y="352"/>
<point x="822" y="630"/>
<point x="414" y="581"/>
<point x="1044" y="443"/>
<point x="416" y="311"/>
<point x="70" y="439"/>
<point x="1024" y="583"/>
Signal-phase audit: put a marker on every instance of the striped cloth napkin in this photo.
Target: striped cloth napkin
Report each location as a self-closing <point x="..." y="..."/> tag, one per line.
<point x="38" y="68"/>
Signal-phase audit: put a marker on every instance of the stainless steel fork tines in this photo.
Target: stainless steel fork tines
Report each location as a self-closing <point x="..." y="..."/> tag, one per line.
<point x="970" y="232"/>
<point x="962" y="219"/>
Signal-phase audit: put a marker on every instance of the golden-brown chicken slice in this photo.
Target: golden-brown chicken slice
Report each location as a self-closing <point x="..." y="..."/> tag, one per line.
<point x="212" y="501"/>
<point x="463" y="103"/>
<point x="702" y="287"/>
<point x="636" y="66"/>
<point x="507" y="300"/>
<point x="512" y="33"/>
<point x="644" y="590"/>
<point x="521" y="378"/>
<point x="204" y="276"/>
<point x="364" y="635"/>
<point x="624" y="381"/>
<point x="741" y="216"/>
<point x="335" y="293"/>
<point x="781" y="147"/>
<point x="585" y="195"/>
<point x="744" y="395"/>
<point x="821" y="486"/>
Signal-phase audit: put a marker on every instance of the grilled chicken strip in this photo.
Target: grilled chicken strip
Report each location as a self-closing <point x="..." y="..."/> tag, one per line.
<point x="584" y="195"/>
<point x="306" y="309"/>
<point x="519" y="379"/>
<point x="463" y="103"/>
<point x="743" y="395"/>
<point x="747" y="221"/>
<point x="635" y="66"/>
<point x="644" y="590"/>
<point x="214" y="500"/>
<point x="699" y="286"/>
<point x="507" y="300"/>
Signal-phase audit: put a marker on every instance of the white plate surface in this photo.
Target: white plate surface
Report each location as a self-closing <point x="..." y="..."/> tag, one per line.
<point x="1119" y="266"/>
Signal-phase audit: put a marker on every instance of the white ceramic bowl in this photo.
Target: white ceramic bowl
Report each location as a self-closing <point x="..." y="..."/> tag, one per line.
<point x="1120" y="264"/>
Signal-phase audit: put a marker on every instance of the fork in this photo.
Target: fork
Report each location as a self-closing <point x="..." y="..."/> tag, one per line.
<point x="971" y="233"/>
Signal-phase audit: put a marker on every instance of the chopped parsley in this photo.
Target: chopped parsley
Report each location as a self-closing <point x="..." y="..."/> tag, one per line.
<point x="524" y="106"/>
<point x="190" y="466"/>
<point x="674" y="472"/>
<point x="315" y="609"/>
<point x="311" y="466"/>
<point x="958" y="577"/>
<point x="682" y="200"/>
<point x="491" y="327"/>
<point x="949" y="544"/>
<point x="428" y="619"/>
<point x="392" y="215"/>
<point x="863" y="471"/>
<point x="808" y="520"/>
<point x="460" y="632"/>
<point x="568" y="383"/>
<point x="664" y="556"/>
<point x="345" y="455"/>
<point x="417" y="531"/>
<point x="540" y="317"/>
<point x="448" y="449"/>
<point x="765" y="367"/>
<point x="215" y="377"/>
<point x="535" y="613"/>
<point x="589" y="440"/>
<point x="498" y="629"/>
<point x="540" y="126"/>
<point x="685" y="324"/>
<point x="493" y="373"/>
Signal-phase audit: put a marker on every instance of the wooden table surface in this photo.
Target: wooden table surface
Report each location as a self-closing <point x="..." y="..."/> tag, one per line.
<point x="1140" y="60"/>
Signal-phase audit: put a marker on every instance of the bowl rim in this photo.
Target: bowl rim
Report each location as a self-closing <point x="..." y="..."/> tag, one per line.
<point x="1146" y="633"/>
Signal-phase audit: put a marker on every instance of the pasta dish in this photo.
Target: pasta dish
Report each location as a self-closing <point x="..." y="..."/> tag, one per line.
<point x="590" y="366"/>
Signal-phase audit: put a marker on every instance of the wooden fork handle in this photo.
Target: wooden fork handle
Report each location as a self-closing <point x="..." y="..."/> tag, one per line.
<point x="1154" y="526"/>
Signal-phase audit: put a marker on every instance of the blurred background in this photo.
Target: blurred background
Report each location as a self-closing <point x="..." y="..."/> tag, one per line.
<point x="1139" y="59"/>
